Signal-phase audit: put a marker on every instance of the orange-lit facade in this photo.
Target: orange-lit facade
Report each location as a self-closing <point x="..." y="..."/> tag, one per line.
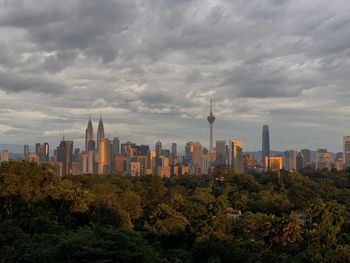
<point x="274" y="163"/>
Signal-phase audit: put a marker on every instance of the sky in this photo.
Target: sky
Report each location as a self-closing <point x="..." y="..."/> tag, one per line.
<point x="150" y="67"/>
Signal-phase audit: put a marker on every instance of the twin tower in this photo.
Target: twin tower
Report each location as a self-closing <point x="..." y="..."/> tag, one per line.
<point x="89" y="136"/>
<point x="101" y="148"/>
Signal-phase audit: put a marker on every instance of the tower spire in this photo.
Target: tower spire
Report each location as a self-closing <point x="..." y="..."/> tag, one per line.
<point x="211" y="120"/>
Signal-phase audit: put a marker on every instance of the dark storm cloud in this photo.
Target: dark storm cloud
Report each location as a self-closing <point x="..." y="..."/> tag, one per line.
<point x="159" y="62"/>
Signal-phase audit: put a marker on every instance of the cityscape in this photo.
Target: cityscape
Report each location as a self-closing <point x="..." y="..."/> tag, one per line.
<point x="105" y="156"/>
<point x="174" y="131"/>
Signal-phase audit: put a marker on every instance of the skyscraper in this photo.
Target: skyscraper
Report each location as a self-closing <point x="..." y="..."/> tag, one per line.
<point x="290" y="160"/>
<point x="4" y="155"/>
<point x="100" y="132"/>
<point x="211" y="120"/>
<point x="346" y="156"/>
<point x="306" y="157"/>
<point x="159" y="153"/>
<point x="323" y="159"/>
<point x="65" y="156"/>
<point x="220" y="153"/>
<point x="46" y="152"/>
<point x="104" y="156"/>
<point x="236" y="157"/>
<point x="265" y="145"/>
<point x="26" y="152"/>
<point x="197" y="158"/>
<point x="173" y="150"/>
<point x="89" y="137"/>
<point x="115" y="146"/>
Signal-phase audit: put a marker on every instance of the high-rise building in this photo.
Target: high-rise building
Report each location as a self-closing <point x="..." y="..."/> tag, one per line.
<point x="115" y="146"/>
<point x="273" y="163"/>
<point x="173" y="150"/>
<point x="306" y="157"/>
<point x="39" y="150"/>
<point x="339" y="161"/>
<point x="346" y="156"/>
<point x="323" y="159"/>
<point x="220" y="153"/>
<point x="26" y="152"/>
<point x="119" y="164"/>
<point x="46" y="152"/>
<point x="290" y="160"/>
<point x="4" y="155"/>
<point x="300" y="161"/>
<point x="89" y="137"/>
<point x="265" y="145"/>
<point x="211" y="120"/>
<point x="197" y="158"/>
<point x="65" y="156"/>
<point x="159" y="153"/>
<point x="100" y="133"/>
<point x="104" y="156"/>
<point x="151" y="163"/>
<point x="236" y="157"/>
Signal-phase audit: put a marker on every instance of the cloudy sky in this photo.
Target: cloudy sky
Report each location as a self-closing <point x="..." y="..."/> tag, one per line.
<point x="150" y="68"/>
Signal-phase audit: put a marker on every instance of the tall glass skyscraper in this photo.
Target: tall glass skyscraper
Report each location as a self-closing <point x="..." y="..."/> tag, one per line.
<point x="265" y="144"/>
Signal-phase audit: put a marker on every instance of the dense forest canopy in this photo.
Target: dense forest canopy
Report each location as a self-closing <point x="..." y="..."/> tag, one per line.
<point x="286" y="217"/>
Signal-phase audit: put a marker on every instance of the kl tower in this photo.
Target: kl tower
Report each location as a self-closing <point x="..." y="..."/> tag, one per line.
<point x="211" y="120"/>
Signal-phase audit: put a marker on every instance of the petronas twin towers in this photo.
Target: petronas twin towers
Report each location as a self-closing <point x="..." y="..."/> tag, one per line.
<point x="89" y="135"/>
<point x="102" y="147"/>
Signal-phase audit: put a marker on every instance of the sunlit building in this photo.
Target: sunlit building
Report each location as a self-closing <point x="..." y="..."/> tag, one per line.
<point x="104" y="156"/>
<point x="135" y="169"/>
<point x="236" y="157"/>
<point x="119" y="164"/>
<point x="4" y="155"/>
<point x="100" y="133"/>
<point x="89" y="137"/>
<point x="339" y="163"/>
<point x="275" y="163"/>
<point x="323" y="159"/>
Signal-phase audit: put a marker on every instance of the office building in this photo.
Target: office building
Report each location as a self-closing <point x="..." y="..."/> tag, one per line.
<point x="290" y="160"/>
<point x="346" y="146"/>
<point x="26" y="152"/>
<point x="339" y="163"/>
<point x="236" y="157"/>
<point x="104" y="156"/>
<point x="220" y="153"/>
<point x="306" y="157"/>
<point x="265" y="145"/>
<point x="65" y="156"/>
<point x="196" y="165"/>
<point x="323" y="159"/>
<point x="273" y="163"/>
<point x="4" y="155"/>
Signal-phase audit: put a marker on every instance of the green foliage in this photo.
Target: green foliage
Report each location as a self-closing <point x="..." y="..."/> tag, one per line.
<point x="300" y="217"/>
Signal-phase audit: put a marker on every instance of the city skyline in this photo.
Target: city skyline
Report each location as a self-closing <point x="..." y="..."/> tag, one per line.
<point x="151" y="68"/>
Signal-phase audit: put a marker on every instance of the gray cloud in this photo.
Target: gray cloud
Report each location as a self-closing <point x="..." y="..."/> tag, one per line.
<point x="150" y="67"/>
